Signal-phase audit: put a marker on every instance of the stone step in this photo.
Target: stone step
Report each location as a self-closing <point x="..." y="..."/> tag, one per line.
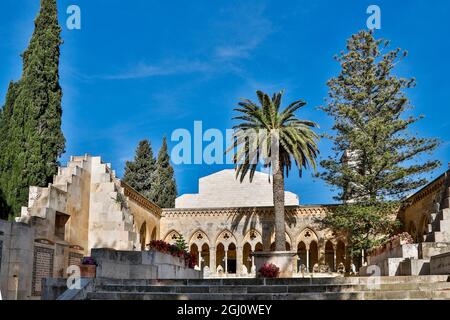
<point x="444" y="214"/>
<point x="376" y="295"/>
<point x="274" y="288"/>
<point x="438" y="236"/>
<point x="278" y="281"/>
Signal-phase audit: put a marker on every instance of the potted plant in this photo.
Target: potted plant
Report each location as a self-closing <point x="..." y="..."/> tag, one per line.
<point x="88" y="267"/>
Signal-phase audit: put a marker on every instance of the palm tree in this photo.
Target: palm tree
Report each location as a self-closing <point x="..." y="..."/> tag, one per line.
<point x="273" y="138"/>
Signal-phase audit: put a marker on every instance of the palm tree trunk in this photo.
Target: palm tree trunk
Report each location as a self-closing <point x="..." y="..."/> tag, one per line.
<point x="278" y="201"/>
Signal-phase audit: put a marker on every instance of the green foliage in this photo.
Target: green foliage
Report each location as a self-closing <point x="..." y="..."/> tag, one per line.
<point x="181" y="243"/>
<point x="121" y="199"/>
<point x="368" y="104"/>
<point x="365" y="224"/>
<point x="376" y="159"/>
<point x="268" y="127"/>
<point x="164" y="189"/>
<point x="139" y="173"/>
<point x="297" y="141"/>
<point x="32" y="140"/>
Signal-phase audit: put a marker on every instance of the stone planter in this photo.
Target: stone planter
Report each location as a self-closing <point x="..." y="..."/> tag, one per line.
<point x="285" y="260"/>
<point x="88" y="271"/>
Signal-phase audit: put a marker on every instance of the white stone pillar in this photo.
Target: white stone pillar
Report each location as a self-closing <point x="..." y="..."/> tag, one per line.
<point x="239" y="259"/>
<point x="334" y="260"/>
<point x="212" y="260"/>
<point x="307" y="260"/>
<point x="200" y="259"/>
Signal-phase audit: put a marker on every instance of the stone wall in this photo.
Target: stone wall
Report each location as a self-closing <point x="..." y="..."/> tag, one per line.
<point x="151" y="264"/>
<point x="416" y="215"/>
<point x="222" y="189"/>
<point x="225" y="237"/>
<point x="85" y="207"/>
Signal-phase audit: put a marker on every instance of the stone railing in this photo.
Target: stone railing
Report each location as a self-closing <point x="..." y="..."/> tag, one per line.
<point x="290" y="210"/>
<point x="139" y="199"/>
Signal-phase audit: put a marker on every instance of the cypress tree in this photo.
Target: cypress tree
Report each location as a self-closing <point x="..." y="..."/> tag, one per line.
<point x="139" y="173"/>
<point x="164" y="190"/>
<point x="5" y="156"/>
<point x="36" y="140"/>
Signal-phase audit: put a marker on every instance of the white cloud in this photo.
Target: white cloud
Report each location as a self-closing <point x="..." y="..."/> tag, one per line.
<point x="167" y="68"/>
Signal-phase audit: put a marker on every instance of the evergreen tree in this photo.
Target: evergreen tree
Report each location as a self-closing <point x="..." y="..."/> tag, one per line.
<point x="181" y="243"/>
<point x="139" y="173"/>
<point x="164" y="191"/>
<point x="5" y="155"/>
<point x="375" y="157"/>
<point x="34" y="129"/>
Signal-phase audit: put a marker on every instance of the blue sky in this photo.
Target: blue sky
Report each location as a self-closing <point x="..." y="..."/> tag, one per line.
<point x="141" y="69"/>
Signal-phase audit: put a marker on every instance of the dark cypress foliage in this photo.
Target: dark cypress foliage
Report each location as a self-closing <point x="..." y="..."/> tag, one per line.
<point x="164" y="190"/>
<point x="139" y="173"/>
<point x="34" y="129"/>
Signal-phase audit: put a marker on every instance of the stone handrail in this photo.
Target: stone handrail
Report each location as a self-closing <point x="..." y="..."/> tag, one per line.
<point x="140" y="199"/>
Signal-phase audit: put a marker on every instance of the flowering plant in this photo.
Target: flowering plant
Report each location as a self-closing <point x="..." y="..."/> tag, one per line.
<point x="404" y="238"/>
<point x="173" y="250"/>
<point x="88" y="261"/>
<point x="269" y="270"/>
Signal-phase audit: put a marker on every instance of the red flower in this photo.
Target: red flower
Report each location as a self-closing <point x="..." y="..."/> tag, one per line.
<point x="269" y="270"/>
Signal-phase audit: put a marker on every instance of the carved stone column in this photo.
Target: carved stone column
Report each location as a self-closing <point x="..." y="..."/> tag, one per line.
<point x="307" y="260"/>
<point x="239" y="255"/>
<point x="212" y="260"/>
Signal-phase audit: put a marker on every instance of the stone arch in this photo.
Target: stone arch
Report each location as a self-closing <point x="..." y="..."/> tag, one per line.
<point x="226" y="237"/>
<point x="252" y="237"/>
<point x="246" y="259"/>
<point x="340" y="252"/>
<point x="172" y="236"/>
<point x="301" y="253"/>
<point x="424" y="228"/>
<point x="307" y="236"/>
<point x="199" y="237"/>
<point x="412" y="230"/>
<point x="313" y="254"/>
<point x="288" y="242"/>
<point x="329" y="254"/>
<point x="205" y="255"/>
<point x="153" y="236"/>
<point x="143" y="235"/>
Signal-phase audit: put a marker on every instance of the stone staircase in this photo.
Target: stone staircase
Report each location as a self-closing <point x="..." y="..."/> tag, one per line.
<point x="351" y="288"/>
<point x="88" y="179"/>
<point x="436" y="241"/>
<point x="414" y="259"/>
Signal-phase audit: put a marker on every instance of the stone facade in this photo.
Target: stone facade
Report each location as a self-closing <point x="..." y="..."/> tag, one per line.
<point x="225" y="237"/>
<point x="88" y="207"/>
<point x="223" y="190"/>
<point x="426" y="217"/>
<point x="85" y="207"/>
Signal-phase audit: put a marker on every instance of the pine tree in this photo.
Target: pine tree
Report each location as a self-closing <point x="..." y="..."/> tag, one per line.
<point x="164" y="191"/>
<point x="139" y="173"/>
<point x="181" y="243"/>
<point x="375" y="156"/>
<point x="36" y="139"/>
